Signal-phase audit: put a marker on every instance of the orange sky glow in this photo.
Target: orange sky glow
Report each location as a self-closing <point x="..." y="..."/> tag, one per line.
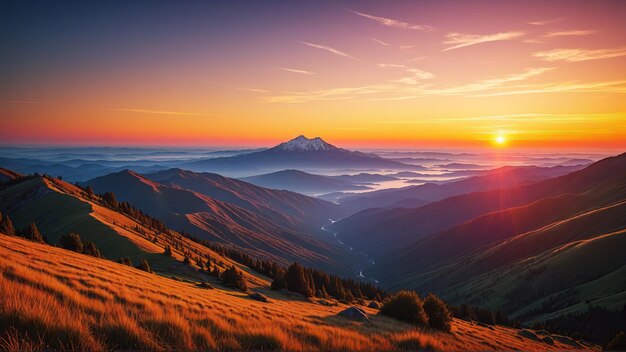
<point x="371" y="74"/>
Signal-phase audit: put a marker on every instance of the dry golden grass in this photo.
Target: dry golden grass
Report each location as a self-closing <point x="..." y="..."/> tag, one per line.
<point x="63" y="300"/>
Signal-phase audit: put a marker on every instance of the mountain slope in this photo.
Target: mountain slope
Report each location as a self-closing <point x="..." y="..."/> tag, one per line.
<point x="209" y="218"/>
<point x="66" y="299"/>
<point x="299" y="153"/>
<point x="302" y="182"/>
<point x="288" y="209"/>
<point x="534" y="261"/>
<point x="500" y="178"/>
<point x="392" y="229"/>
<point x="59" y="208"/>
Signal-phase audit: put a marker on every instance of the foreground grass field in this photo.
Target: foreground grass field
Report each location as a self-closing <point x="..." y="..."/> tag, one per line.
<point x="53" y="298"/>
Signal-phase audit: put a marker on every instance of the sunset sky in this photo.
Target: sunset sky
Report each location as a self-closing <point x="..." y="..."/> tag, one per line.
<point x="357" y="73"/>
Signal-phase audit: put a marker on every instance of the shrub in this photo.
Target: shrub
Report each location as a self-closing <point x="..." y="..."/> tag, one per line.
<point x="485" y="316"/>
<point x="439" y="316"/>
<point x="71" y="242"/>
<point x="234" y="278"/>
<point x="405" y="306"/>
<point x="168" y="250"/>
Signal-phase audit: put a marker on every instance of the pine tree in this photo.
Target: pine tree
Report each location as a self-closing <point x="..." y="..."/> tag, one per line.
<point x="72" y="242"/>
<point x="90" y="248"/>
<point x="109" y="199"/>
<point x="6" y="226"/>
<point x="125" y="261"/>
<point x="279" y="280"/>
<point x="32" y="233"/>
<point x="145" y="266"/>
<point x="296" y="281"/>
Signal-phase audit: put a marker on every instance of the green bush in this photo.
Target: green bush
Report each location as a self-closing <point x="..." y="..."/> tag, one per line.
<point x="405" y="306"/>
<point x="439" y="316"/>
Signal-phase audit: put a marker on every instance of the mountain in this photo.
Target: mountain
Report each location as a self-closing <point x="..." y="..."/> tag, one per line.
<point x="302" y="182"/>
<point x="7" y="175"/>
<point x="394" y="228"/>
<point x="299" y="153"/>
<point x="251" y="218"/>
<point x="503" y="177"/>
<point x="540" y="252"/>
<point x="59" y="208"/>
<point x="288" y="209"/>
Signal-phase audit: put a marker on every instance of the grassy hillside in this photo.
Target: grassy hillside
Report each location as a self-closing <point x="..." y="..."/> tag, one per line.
<point x="53" y="298"/>
<point x="59" y="208"/>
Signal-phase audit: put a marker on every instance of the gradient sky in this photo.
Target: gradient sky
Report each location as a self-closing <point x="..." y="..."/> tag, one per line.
<point x="357" y="73"/>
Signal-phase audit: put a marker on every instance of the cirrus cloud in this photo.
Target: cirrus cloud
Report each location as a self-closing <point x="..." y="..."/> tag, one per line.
<point x="394" y="23"/>
<point x="577" y="55"/>
<point x="461" y="40"/>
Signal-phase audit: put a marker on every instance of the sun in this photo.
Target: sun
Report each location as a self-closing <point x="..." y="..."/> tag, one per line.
<point x="500" y="139"/>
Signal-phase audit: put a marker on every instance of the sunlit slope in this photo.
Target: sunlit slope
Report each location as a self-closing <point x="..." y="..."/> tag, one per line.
<point x="60" y="299"/>
<point x="59" y="208"/>
<point x="221" y="221"/>
<point x="560" y="268"/>
<point x="388" y="230"/>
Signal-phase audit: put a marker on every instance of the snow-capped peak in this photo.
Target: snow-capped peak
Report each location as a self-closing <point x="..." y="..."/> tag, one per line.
<point x="303" y="144"/>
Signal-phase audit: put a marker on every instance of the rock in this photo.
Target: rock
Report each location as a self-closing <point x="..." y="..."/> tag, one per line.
<point x="259" y="297"/>
<point x="567" y="341"/>
<point x="326" y="303"/>
<point x="548" y="340"/>
<point x="542" y="333"/>
<point x="354" y="313"/>
<point x="374" y="305"/>
<point x="529" y="335"/>
<point x="205" y="285"/>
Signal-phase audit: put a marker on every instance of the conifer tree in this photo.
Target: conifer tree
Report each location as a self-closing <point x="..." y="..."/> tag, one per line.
<point x="32" y="233"/>
<point x="6" y="226"/>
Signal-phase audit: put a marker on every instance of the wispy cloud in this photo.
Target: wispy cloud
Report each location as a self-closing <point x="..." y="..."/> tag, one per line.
<point x="380" y="42"/>
<point x="572" y="33"/>
<point x="303" y="72"/>
<point x="329" y="49"/>
<point x="414" y="74"/>
<point x="163" y="112"/>
<point x="394" y="23"/>
<point x="563" y="87"/>
<point x="417" y="58"/>
<point x="460" y="40"/>
<point x="577" y="55"/>
<point x="409" y="87"/>
<point x="542" y="23"/>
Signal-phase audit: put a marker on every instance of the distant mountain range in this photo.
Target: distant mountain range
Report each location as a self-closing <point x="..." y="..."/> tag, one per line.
<point x="535" y="251"/>
<point x="299" y="153"/>
<point x="281" y="225"/>
<point x="413" y="196"/>
<point x="306" y="183"/>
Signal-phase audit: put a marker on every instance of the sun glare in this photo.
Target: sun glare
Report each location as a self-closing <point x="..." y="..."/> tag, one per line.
<point x="500" y="140"/>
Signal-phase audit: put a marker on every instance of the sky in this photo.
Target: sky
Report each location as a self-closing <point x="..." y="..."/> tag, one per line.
<point x="410" y="74"/>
